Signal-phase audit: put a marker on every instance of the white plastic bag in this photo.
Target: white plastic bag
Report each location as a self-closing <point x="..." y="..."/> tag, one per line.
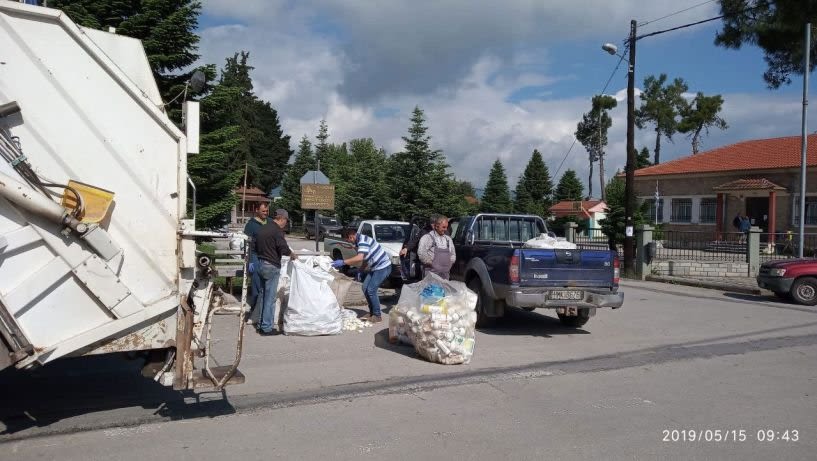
<point x="312" y="308"/>
<point x="549" y="243"/>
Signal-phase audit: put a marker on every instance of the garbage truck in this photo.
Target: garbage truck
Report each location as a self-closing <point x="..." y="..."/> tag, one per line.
<point x="97" y="211"/>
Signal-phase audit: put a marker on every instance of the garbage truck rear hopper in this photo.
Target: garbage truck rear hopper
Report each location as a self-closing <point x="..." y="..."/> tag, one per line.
<point x="97" y="245"/>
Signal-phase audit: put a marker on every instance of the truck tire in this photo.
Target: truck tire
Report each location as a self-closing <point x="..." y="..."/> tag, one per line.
<point x="483" y="321"/>
<point x="582" y="316"/>
<point x="804" y="291"/>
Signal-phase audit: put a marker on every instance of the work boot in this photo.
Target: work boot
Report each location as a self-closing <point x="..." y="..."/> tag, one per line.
<point x="375" y="319"/>
<point x="366" y="317"/>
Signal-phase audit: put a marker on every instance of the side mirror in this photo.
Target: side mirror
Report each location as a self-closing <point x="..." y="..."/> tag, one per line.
<point x="470" y="237"/>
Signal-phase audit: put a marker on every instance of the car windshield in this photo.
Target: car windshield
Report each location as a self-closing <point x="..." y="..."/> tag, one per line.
<point x="391" y="232"/>
<point x="329" y="221"/>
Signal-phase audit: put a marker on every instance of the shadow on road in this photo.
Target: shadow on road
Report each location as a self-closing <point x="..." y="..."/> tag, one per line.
<point x="93" y="384"/>
<point x="519" y="322"/>
<point x="771" y="301"/>
<point x="381" y="340"/>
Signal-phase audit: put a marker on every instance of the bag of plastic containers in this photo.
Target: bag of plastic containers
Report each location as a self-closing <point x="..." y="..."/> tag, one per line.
<point x="437" y="317"/>
<point x="547" y="242"/>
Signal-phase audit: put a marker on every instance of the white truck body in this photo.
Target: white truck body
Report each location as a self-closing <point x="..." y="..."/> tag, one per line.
<point x="90" y="111"/>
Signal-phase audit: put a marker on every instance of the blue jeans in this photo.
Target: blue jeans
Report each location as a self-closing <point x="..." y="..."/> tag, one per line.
<point x="371" y="284"/>
<point x="266" y="297"/>
<point x="255" y="280"/>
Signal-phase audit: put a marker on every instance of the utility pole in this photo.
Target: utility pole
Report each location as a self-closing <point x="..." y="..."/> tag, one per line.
<point x="804" y="142"/>
<point x="244" y="195"/>
<point x="629" y="186"/>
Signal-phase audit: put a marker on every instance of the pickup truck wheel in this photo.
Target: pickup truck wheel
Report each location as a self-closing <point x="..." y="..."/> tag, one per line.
<point x="583" y="315"/>
<point x="804" y="291"/>
<point x="483" y="321"/>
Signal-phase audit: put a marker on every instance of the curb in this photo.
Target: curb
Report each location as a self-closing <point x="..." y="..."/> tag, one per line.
<point x="704" y="284"/>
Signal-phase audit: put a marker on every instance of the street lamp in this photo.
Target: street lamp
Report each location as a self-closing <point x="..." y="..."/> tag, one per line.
<point x="629" y="189"/>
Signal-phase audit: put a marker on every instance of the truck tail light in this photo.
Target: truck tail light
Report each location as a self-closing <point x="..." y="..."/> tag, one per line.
<point x="513" y="269"/>
<point x="616" y="269"/>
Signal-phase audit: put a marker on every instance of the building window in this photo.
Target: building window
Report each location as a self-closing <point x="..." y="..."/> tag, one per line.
<point x="681" y="210"/>
<point x="708" y="209"/>
<point x="811" y="210"/>
<point x="652" y="210"/>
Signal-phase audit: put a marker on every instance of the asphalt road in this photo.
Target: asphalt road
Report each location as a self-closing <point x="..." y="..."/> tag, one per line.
<point x="636" y="383"/>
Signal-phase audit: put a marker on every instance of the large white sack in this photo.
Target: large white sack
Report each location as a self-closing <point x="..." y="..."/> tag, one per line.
<point x="312" y="308"/>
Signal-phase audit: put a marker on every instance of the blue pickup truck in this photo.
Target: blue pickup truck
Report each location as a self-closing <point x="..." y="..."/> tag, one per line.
<point x="492" y="261"/>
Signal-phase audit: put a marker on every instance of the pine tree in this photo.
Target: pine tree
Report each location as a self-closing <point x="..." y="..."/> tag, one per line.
<point x="777" y="27"/>
<point x="699" y="116"/>
<point x="643" y="159"/>
<point x="534" y="189"/>
<point x="592" y="133"/>
<point x="420" y="181"/>
<point x="265" y="147"/>
<point x="569" y="187"/>
<point x="497" y="197"/>
<point x="321" y="147"/>
<point x="361" y="186"/>
<point x="167" y="29"/>
<point x="291" y="187"/>
<point x="661" y="104"/>
<point x="613" y="225"/>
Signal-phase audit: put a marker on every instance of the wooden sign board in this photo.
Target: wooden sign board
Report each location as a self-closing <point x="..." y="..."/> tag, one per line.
<point x="317" y="196"/>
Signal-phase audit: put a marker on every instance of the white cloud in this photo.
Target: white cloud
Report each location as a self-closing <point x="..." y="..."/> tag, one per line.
<point x="459" y="65"/>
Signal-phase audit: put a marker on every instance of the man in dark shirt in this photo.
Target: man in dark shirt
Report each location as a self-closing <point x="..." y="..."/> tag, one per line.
<point x="250" y="230"/>
<point x="270" y="245"/>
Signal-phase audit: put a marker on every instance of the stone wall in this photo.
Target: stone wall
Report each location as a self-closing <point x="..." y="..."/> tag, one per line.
<point x="700" y="269"/>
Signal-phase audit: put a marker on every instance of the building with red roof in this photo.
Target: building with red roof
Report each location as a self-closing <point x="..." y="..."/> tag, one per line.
<point x="706" y="191"/>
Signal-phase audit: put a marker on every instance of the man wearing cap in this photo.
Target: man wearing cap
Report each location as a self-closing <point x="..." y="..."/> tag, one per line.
<point x="270" y="245"/>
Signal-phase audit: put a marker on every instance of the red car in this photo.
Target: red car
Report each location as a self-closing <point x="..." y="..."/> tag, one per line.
<point x="791" y="278"/>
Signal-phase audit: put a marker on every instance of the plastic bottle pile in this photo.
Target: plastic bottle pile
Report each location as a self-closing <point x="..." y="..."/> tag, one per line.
<point x="352" y="323"/>
<point x="437" y="317"/>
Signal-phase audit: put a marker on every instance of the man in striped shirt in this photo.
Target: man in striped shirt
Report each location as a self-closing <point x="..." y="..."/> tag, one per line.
<point x="378" y="266"/>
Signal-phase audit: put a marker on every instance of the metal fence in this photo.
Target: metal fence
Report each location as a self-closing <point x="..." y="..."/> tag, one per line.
<point x="704" y="246"/>
<point x="786" y="245"/>
<point x="700" y="246"/>
<point x="595" y="239"/>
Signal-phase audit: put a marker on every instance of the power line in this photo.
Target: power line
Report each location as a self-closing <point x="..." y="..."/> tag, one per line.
<point x="680" y="27"/>
<point x="675" y="13"/>
<point x="609" y="79"/>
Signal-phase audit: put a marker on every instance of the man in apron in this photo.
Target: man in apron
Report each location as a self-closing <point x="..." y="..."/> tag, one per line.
<point x="436" y="249"/>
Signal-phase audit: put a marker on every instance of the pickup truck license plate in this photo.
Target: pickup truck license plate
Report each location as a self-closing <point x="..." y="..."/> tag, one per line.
<point x="566" y="295"/>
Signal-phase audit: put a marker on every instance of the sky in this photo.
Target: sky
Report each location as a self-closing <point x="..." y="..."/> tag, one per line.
<point x="495" y="79"/>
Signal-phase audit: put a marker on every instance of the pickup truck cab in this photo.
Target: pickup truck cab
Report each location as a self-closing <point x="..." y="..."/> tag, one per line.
<point x="493" y="262"/>
<point x="790" y="278"/>
<point x="389" y="234"/>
